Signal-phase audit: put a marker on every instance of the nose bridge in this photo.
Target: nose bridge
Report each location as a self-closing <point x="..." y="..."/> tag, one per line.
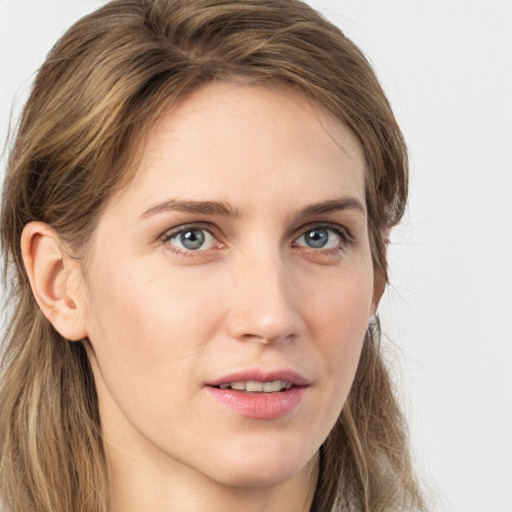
<point x="264" y="307"/>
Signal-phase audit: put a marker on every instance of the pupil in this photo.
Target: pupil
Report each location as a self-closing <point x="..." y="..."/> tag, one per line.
<point x="192" y="239"/>
<point x="317" y="238"/>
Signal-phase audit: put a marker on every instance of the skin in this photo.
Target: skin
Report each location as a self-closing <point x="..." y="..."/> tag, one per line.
<point x="163" y="321"/>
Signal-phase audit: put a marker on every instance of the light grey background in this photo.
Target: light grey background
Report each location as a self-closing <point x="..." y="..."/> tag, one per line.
<point x="447" y="68"/>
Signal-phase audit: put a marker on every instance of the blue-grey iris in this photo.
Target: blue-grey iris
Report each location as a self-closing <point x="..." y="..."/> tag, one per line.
<point x="192" y="239"/>
<point x="316" y="238"/>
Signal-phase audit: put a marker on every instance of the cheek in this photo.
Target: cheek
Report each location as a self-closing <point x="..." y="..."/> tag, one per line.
<point x="343" y="304"/>
<point x="142" y="321"/>
<point x="150" y="329"/>
<point x="340" y="317"/>
<point x="146" y="342"/>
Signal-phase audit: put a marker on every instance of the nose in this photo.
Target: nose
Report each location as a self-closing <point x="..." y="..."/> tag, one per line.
<point x="264" y="306"/>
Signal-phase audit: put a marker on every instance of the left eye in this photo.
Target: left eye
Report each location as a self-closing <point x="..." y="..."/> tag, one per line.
<point x="320" y="238"/>
<point x="191" y="239"/>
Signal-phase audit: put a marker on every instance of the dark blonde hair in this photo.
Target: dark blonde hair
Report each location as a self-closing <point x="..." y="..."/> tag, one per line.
<point x="102" y="87"/>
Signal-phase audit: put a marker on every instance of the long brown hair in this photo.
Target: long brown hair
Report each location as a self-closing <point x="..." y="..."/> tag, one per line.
<point x="102" y="87"/>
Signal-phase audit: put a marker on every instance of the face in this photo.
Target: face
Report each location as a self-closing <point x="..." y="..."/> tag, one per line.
<point x="229" y="286"/>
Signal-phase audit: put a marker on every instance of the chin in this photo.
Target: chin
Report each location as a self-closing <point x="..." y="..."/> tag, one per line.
<point x="249" y="478"/>
<point x="262" y="467"/>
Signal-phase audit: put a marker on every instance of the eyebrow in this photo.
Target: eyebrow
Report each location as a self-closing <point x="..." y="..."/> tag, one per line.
<point x="223" y="209"/>
<point x="333" y="205"/>
<point x="218" y="208"/>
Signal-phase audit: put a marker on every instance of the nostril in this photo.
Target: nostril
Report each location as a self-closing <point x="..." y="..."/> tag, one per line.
<point x="267" y="339"/>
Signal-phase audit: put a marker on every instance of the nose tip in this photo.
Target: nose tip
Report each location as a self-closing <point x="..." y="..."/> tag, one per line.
<point x="255" y="325"/>
<point x="264" y="308"/>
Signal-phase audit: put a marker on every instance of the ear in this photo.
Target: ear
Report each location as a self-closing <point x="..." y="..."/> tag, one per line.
<point x="380" y="278"/>
<point x="379" y="286"/>
<point x="55" y="278"/>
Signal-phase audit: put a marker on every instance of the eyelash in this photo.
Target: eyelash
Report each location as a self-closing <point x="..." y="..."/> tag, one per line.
<point x="346" y="239"/>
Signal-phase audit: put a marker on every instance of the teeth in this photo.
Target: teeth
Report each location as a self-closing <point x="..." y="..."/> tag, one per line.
<point x="272" y="387"/>
<point x="253" y="386"/>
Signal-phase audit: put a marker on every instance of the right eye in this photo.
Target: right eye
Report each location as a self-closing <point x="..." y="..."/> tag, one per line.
<point x="190" y="239"/>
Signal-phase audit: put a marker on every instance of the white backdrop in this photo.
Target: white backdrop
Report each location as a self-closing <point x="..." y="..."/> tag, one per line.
<point x="447" y="68"/>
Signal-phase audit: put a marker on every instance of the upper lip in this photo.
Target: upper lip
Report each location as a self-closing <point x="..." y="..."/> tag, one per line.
<point x="260" y="375"/>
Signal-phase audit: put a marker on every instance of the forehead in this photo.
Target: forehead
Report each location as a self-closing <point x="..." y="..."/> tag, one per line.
<point x="247" y="136"/>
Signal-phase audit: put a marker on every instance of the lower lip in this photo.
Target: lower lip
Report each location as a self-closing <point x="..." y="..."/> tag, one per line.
<point x="263" y="406"/>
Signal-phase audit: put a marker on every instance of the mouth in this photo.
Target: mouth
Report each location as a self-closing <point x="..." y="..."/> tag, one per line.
<point x="260" y="381"/>
<point x="260" y="395"/>
<point x="254" y="386"/>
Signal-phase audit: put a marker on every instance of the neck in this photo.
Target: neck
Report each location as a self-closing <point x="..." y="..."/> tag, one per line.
<point x="137" y="487"/>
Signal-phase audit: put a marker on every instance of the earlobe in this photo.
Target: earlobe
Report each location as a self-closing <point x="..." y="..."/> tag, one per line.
<point x="53" y="278"/>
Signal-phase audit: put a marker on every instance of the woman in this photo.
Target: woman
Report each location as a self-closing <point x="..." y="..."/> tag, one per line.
<point x="194" y="222"/>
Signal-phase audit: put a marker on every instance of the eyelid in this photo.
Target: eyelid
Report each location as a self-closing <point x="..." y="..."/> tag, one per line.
<point x="172" y="232"/>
